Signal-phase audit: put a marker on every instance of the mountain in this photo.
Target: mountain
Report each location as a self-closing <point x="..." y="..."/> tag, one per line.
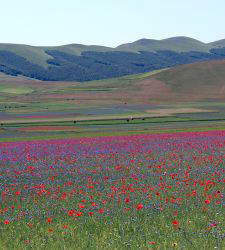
<point x="38" y="55"/>
<point x="218" y="44"/>
<point x="178" y="44"/>
<point x="77" y="62"/>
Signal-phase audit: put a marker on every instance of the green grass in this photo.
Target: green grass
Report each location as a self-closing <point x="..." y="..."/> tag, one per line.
<point x="131" y="231"/>
<point x="121" y="81"/>
<point x="195" y="77"/>
<point x="81" y="134"/>
<point x="179" y="44"/>
<point x="33" y="54"/>
<point x="17" y="90"/>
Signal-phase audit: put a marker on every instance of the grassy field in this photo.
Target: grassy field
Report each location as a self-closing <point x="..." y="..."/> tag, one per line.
<point x="109" y="107"/>
<point x="26" y="131"/>
<point x="17" y="90"/>
<point x="151" y="94"/>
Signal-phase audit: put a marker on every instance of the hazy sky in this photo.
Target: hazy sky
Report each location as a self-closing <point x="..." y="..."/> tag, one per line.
<point x="109" y="22"/>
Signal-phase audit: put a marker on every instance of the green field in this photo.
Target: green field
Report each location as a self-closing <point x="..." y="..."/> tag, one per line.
<point x="117" y="105"/>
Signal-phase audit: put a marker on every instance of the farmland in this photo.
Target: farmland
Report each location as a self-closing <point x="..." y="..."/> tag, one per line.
<point x="124" y="163"/>
<point x="115" y="192"/>
<point x="151" y="102"/>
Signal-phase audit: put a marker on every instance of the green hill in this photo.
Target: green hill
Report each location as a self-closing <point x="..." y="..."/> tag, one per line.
<point x="38" y="55"/>
<point x="77" y="62"/>
<point x="33" y="54"/>
<point x="178" y="44"/>
<point x="218" y="44"/>
<point x="205" y="80"/>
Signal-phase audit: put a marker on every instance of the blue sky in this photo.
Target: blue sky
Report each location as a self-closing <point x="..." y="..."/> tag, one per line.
<point x="109" y="22"/>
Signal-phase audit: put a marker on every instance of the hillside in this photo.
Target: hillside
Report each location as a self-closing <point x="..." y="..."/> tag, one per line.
<point x="198" y="87"/>
<point x="77" y="62"/>
<point x="178" y="44"/>
<point x="218" y="44"/>
<point x="198" y="81"/>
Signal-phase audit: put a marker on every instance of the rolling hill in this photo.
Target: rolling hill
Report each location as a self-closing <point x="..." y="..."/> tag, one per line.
<point x="218" y="44"/>
<point x="197" y="87"/>
<point x="77" y="62"/>
<point x="197" y="81"/>
<point x="178" y="44"/>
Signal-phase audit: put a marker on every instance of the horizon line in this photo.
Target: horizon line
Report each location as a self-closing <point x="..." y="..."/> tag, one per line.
<point x="112" y="47"/>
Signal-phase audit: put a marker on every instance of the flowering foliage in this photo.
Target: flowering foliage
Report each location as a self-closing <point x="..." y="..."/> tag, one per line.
<point x="165" y="175"/>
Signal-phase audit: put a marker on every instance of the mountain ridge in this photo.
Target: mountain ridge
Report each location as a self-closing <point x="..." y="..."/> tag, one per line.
<point x="78" y="62"/>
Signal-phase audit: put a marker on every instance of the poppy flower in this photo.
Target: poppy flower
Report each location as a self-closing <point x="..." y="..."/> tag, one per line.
<point x="140" y="206"/>
<point x="207" y="201"/>
<point x="175" y="223"/>
<point x="81" y="206"/>
<point x="93" y="204"/>
<point x="6" y="222"/>
<point x="71" y="212"/>
<point x="127" y="200"/>
<point x="17" y="193"/>
<point x="49" y="220"/>
<point x="101" y="210"/>
<point x="79" y="214"/>
<point x="151" y="242"/>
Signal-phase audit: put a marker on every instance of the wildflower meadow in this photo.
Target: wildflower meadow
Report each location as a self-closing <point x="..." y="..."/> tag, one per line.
<point x="160" y="191"/>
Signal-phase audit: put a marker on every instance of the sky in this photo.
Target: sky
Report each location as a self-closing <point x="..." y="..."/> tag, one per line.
<point x="109" y="22"/>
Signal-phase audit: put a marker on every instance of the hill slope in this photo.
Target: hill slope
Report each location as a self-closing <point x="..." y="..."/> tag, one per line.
<point x="218" y="44"/>
<point x="77" y="62"/>
<point x="178" y="44"/>
<point x="205" y="80"/>
<point x="200" y="86"/>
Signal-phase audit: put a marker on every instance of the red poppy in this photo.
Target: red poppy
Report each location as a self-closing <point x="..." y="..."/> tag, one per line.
<point x="6" y="222"/>
<point x="127" y="200"/>
<point x="151" y="242"/>
<point x="207" y="201"/>
<point x="79" y="214"/>
<point x="17" y="193"/>
<point x="93" y="204"/>
<point x="213" y="224"/>
<point x="101" y="210"/>
<point x="49" y="220"/>
<point x="71" y="212"/>
<point x="81" y="206"/>
<point x="176" y="223"/>
<point x="140" y="206"/>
